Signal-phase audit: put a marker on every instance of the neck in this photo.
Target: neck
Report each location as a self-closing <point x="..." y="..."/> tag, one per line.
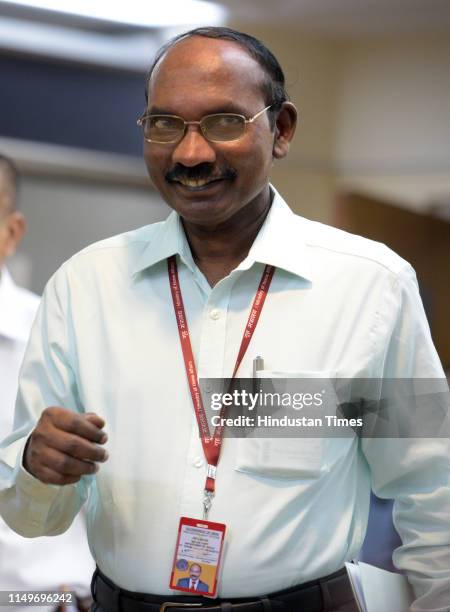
<point x="218" y="250"/>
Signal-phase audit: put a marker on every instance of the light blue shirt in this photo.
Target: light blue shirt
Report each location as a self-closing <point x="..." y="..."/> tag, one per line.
<point x="106" y="341"/>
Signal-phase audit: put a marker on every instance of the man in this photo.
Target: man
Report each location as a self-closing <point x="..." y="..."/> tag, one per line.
<point x="47" y="563"/>
<point x="112" y="339"/>
<point x="194" y="582"/>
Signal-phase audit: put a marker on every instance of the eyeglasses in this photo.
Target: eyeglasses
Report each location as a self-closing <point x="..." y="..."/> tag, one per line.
<point x="221" y="127"/>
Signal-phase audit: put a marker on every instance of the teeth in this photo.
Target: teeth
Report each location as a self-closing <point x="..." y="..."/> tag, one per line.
<point x="192" y="183"/>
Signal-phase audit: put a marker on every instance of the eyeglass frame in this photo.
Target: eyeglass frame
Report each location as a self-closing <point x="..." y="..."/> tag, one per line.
<point x="143" y="117"/>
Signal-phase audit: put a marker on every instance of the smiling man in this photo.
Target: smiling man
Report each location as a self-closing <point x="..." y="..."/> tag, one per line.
<point x="214" y="169"/>
<point x="230" y="283"/>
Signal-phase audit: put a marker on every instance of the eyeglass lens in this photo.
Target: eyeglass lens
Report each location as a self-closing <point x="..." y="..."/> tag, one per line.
<point x="220" y="127"/>
<point x="163" y="129"/>
<point x="223" y="127"/>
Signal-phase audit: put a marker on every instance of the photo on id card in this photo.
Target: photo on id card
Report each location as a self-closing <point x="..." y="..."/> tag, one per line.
<point x="198" y="552"/>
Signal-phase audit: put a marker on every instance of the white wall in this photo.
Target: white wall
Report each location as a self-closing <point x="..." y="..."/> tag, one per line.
<point x="393" y="118"/>
<point x="65" y="215"/>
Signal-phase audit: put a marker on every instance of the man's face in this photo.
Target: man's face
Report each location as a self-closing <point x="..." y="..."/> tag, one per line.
<point x="195" y="572"/>
<point x="198" y="77"/>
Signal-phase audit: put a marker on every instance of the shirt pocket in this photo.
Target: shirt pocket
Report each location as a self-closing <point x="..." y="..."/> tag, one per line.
<point x="283" y="458"/>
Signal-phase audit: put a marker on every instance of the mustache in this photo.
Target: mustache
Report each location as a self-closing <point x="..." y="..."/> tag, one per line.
<point x="201" y="172"/>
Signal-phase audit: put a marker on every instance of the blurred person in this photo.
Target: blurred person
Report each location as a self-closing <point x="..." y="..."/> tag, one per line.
<point x="45" y="563"/>
<point x="111" y="349"/>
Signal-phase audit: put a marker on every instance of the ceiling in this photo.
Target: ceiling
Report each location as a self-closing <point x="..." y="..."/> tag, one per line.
<point x="118" y="46"/>
<point x="347" y="17"/>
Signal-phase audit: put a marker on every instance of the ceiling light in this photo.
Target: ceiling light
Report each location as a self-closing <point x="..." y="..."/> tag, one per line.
<point x="134" y="12"/>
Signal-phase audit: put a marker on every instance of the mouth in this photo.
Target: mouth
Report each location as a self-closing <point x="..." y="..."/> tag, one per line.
<point x="198" y="184"/>
<point x="203" y="177"/>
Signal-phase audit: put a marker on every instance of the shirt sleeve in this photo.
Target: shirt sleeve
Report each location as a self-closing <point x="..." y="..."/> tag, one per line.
<point x="47" y="378"/>
<point x="415" y="471"/>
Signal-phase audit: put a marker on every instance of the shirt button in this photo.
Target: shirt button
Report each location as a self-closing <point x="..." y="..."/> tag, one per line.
<point x="214" y="314"/>
<point x="198" y="462"/>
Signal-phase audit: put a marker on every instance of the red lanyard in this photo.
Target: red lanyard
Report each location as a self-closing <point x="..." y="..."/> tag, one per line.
<point x="211" y="444"/>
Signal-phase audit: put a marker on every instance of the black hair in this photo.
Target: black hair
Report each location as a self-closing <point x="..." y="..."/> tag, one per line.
<point x="9" y="179"/>
<point x="274" y="84"/>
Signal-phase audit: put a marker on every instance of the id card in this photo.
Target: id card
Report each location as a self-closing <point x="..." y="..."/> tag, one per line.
<point x="197" y="556"/>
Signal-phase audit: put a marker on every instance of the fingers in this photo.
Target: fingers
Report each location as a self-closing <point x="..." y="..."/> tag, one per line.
<point x="95" y="419"/>
<point x="49" y="476"/>
<point x="86" y="426"/>
<point x="66" y="465"/>
<point x="74" y="446"/>
<point x="65" y="445"/>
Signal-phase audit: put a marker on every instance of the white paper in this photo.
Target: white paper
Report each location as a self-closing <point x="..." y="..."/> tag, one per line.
<point x="376" y="589"/>
<point x="354" y="574"/>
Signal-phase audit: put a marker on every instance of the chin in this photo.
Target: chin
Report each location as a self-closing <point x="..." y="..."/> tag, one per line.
<point x="204" y="212"/>
<point x="207" y="220"/>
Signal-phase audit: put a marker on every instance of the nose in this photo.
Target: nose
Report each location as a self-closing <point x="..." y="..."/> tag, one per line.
<point x="193" y="149"/>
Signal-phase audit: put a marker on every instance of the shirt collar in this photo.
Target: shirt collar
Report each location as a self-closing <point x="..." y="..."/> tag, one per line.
<point x="168" y="239"/>
<point x="279" y="242"/>
<point x="12" y="324"/>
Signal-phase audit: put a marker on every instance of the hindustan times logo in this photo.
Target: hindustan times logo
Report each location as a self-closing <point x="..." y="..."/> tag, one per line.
<point x="245" y="399"/>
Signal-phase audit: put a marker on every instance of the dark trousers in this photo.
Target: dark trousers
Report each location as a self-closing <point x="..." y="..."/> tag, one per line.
<point x="331" y="593"/>
<point x="349" y="607"/>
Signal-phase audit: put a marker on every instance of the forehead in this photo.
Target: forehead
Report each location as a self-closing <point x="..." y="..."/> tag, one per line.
<point x="206" y="71"/>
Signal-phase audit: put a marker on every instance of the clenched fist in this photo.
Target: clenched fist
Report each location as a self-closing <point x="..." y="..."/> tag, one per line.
<point x="64" y="446"/>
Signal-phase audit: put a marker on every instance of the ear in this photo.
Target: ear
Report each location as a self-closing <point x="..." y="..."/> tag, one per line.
<point x="284" y="129"/>
<point x="15" y="227"/>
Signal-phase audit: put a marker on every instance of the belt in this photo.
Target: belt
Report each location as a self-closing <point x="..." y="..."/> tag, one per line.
<point x="316" y="596"/>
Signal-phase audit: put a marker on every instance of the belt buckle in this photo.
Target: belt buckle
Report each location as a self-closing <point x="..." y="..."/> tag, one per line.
<point x="171" y="604"/>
